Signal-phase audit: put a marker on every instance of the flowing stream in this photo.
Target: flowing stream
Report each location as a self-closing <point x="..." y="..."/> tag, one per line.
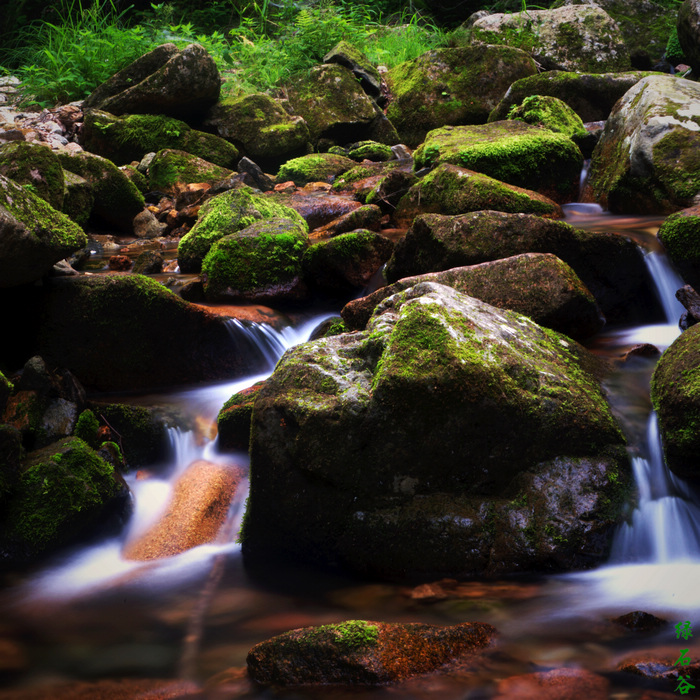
<point x="92" y="614"/>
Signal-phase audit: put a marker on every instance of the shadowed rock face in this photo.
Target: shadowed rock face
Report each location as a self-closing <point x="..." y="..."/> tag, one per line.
<point x="441" y="421"/>
<point x="364" y="653"/>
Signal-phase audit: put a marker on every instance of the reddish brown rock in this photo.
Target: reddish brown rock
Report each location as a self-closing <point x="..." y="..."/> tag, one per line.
<point x="560" y="684"/>
<point x="364" y="653"/>
<point x="195" y="515"/>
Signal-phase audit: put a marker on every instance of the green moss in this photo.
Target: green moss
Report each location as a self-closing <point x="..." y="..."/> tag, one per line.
<point x="551" y="113"/>
<point x="173" y="167"/>
<point x="676" y="159"/>
<point x="86" y="428"/>
<point x="314" y="168"/>
<point x="351" y="635"/>
<point x="36" y="167"/>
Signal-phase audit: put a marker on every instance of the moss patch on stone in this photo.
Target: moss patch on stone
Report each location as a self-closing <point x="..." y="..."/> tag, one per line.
<point x="35" y="166"/>
<point x="316" y="167"/>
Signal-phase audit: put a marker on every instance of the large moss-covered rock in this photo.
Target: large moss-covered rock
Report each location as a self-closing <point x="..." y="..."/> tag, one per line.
<point x="582" y="38"/>
<point x="260" y="263"/>
<point x="648" y="158"/>
<point x="675" y="393"/>
<point x="345" y="54"/>
<point x="611" y="266"/>
<point x="452" y="86"/>
<point x="225" y="214"/>
<point x="171" y="168"/>
<point x="357" y="652"/>
<point x="688" y="27"/>
<point x="333" y="104"/>
<point x="450" y="189"/>
<point x="591" y="95"/>
<point x="315" y="167"/>
<point x="117" y="200"/>
<point x="65" y="492"/>
<point x="645" y="26"/>
<point x="33" y="235"/>
<point x="680" y="235"/>
<point x="260" y="127"/>
<point x="233" y="421"/>
<point x="345" y="264"/>
<point x="36" y="167"/>
<point x="538" y="285"/>
<point x="182" y="84"/>
<point x="434" y="438"/>
<point x="511" y="151"/>
<point x="78" y="198"/>
<point x="128" y="138"/>
<point x="130" y="332"/>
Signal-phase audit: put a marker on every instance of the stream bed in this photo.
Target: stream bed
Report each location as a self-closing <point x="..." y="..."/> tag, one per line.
<point x="90" y="615"/>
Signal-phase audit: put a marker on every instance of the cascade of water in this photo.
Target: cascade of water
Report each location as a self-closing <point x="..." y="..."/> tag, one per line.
<point x="666" y="282"/>
<point x="665" y="525"/>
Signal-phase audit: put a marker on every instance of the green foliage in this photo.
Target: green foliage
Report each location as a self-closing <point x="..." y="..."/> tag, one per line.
<point x="674" y="52"/>
<point x="86" y="428"/>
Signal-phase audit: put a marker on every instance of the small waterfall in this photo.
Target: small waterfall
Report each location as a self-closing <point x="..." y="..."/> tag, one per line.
<point x="666" y="282"/>
<point x="665" y="525"/>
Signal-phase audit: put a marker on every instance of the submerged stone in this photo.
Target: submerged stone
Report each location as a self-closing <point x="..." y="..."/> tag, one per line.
<point x="434" y="438"/>
<point x="358" y="652"/>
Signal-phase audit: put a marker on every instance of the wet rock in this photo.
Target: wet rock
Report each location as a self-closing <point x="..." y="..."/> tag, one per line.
<point x="510" y="151"/>
<point x="195" y="515"/>
<point x="345" y="263"/>
<point x="147" y="226"/>
<point x="317" y="211"/>
<point x="365" y="217"/>
<point x="119" y="263"/>
<point x="691" y="300"/>
<point x="121" y="689"/>
<point x="234" y="418"/>
<point x="640" y="621"/>
<point x="316" y="167"/>
<point x="559" y="684"/>
<point x="541" y="287"/>
<point x="591" y="95"/>
<point x="451" y="86"/>
<point x="662" y="664"/>
<point x="116" y="199"/>
<point x="126" y="323"/>
<point x="449" y="189"/>
<point x="680" y="236"/>
<point x="610" y="266"/>
<point x="333" y="104"/>
<point x="257" y="177"/>
<point x="36" y="167"/>
<point x="407" y="437"/>
<point x="33" y="235"/>
<point x="182" y="84"/>
<point x="646" y="161"/>
<point x="675" y="396"/>
<point x="64" y="491"/>
<point x="582" y="38"/>
<point x="260" y="263"/>
<point x="226" y="214"/>
<point x="357" y="652"/>
<point x="129" y="138"/>
<point x="171" y="169"/>
<point x="260" y="127"/>
<point x="363" y="179"/>
<point x="688" y="26"/>
<point x="149" y="262"/>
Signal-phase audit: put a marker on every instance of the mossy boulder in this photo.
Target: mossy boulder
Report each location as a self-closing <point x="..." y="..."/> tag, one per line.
<point x="78" y="198"/>
<point x="65" y="493"/>
<point x="369" y="150"/>
<point x="510" y="151"/>
<point x="434" y="438"/>
<point x="346" y="263"/>
<point x="130" y="137"/>
<point x="582" y="38"/>
<point x="362" y="179"/>
<point x="367" y="216"/>
<point x="223" y="215"/>
<point x="182" y="84"/>
<point x="648" y="158"/>
<point x="260" y="263"/>
<point x="450" y="189"/>
<point x="610" y="266"/>
<point x="260" y="127"/>
<point x="688" y="27"/>
<point x="117" y="200"/>
<point x="645" y="26"/>
<point x="333" y="104"/>
<point x="171" y="168"/>
<point x="452" y="86"/>
<point x="118" y="333"/>
<point x="591" y="95"/>
<point x="315" y="167"/>
<point x="357" y="652"/>
<point x="675" y="394"/>
<point x="234" y="418"/>
<point x="680" y="235"/>
<point x="33" y="235"/>
<point x="349" y="56"/>
<point x="36" y="167"/>
<point x="538" y="285"/>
